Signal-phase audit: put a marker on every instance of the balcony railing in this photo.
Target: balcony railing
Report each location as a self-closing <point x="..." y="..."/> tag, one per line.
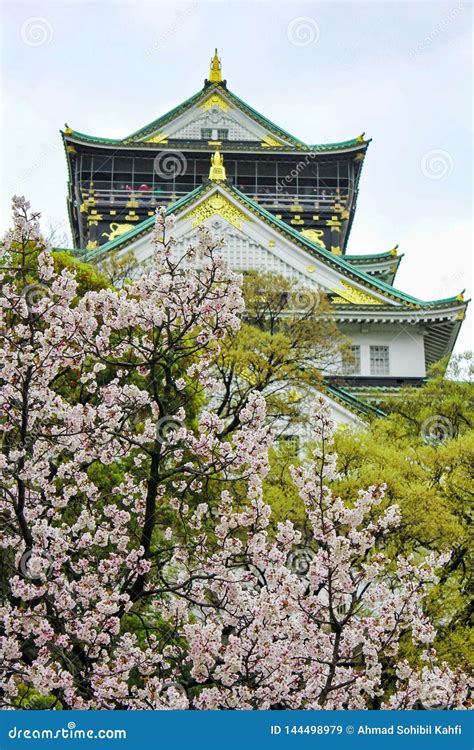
<point x="326" y="201"/>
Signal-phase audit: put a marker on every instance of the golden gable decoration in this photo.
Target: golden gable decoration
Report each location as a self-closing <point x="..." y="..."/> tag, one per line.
<point x="217" y="204"/>
<point x="215" y="101"/>
<point x="350" y="294"/>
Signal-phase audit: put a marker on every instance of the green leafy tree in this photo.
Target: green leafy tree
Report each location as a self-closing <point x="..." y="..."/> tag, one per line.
<point x="424" y="449"/>
<point x="288" y="341"/>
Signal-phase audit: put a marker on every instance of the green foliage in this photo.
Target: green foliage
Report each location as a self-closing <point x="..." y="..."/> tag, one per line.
<point x="279" y="489"/>
<point x="29" y="699"/>
<point x="288" y="339"/>
<point x="87" y="275"/>
<point x="119" y="268"/>
<point x="424" y="451"/>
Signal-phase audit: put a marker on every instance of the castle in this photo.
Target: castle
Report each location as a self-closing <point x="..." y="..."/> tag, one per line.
<point x="282" y="205"/>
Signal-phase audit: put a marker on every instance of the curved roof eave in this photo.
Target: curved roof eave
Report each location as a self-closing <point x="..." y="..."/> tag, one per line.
<point x="369" y="257"/>
<point x="352" y="144"/>
<point x="370" y="281"/>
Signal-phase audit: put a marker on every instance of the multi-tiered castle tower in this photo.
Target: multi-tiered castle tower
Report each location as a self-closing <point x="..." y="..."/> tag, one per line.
<point x="283" y="206"/>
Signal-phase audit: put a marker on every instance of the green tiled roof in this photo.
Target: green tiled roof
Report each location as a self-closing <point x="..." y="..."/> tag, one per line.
<point x="337" y="260"/>
<point x="354" y="403"/>
<point x="142" y="228"/>
<point x="315" y="248"/>
<point x="243" y="106"/>
<point x="374" y="256"/>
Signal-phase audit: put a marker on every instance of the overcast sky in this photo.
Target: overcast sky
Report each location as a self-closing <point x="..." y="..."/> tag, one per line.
<point x="400" y="71"/>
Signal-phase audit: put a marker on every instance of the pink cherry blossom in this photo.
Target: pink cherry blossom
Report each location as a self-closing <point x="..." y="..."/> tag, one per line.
<point x="112" y="605"/>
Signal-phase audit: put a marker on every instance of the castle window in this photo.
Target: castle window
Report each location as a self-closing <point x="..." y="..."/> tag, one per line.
<point x="379" y="361"/>
<point x="353" y="366"/>
<point x="206" y="133"/>
<point x="222" y="134"/>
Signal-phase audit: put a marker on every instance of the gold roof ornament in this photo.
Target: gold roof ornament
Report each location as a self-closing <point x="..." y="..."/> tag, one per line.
<point x="215" y="74"/>
<point x="217" y="171"/>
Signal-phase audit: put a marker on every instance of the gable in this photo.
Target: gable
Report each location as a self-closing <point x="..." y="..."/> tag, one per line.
<point x="214" y="111"/>
<point x="256" y="240"/>
<point x="243" y="253"/>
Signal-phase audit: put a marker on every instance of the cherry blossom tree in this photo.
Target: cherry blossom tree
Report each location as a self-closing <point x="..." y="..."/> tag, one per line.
<point x="141" y="572"/>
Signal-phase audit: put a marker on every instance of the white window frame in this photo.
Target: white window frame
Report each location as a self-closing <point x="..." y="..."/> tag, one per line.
<point x="379" y="365"/>
<point x="353" y="368"/>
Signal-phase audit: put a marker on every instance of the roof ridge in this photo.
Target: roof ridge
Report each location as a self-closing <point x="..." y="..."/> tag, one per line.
<point x="355" y="401"/>
<point x="372" y="282"/>
<point x="338" y="260"/>
<point x="202" y="93"/>
<point x="375" y="256"/>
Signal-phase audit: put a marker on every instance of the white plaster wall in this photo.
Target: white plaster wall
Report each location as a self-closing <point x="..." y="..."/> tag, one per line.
<point x="405" y="342"/>
<point x="342" y="416"/>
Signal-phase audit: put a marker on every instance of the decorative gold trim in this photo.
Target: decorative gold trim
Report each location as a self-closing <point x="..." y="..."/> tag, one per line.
<point x="215" y="101"/>
<point x="217" y="171"/>
<point x="267" y="221"/>
<point x="314" y="235"/>
<point x="268" y="141"/>
<point x="217" y="204"/>
<point x="350" y="293"/>
<point x="116" y="230"/>
<point x="334" y="223"/>
<point x="215" y="73"/>
<point x="91" y="245"/>
<point x="158" y="138"/>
